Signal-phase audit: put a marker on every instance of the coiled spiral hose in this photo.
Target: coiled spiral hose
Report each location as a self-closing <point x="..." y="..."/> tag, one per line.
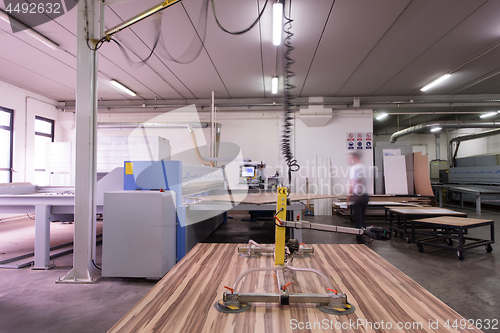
<point x="288" y="61"/>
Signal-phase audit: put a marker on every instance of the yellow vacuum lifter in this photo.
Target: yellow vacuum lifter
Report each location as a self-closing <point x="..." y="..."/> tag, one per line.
<point x="331" y="302"/>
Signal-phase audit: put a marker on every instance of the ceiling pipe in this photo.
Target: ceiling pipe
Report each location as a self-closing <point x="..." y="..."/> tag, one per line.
<point x="438" y="146"/>
<point x="444" y="124"/>
<point x="341" y="102"/>
<point x="227" y="105"/>
<point x="125" y="125"/>
<point x="452" y="156"/>
<point x="196" y="148"/>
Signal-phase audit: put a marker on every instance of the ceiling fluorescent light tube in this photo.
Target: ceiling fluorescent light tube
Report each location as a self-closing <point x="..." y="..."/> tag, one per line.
<point x="122" y="87"/>
<point x="42" y="39"/>
<point x="436" y="129"/>
<point x="33" y="33"/>
<point x="487" y="115"/>
<point x="274" y="85"/>
<point x="381" y="116"/>
<point x="277" y="22"/>
<point x="438" y="81"/>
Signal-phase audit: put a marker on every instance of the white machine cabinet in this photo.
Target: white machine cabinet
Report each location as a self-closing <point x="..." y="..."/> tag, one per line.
<point x="139" y="234"/>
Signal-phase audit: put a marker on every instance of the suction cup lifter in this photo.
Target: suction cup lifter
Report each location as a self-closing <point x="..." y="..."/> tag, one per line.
<point x="377" y="233"/>
<point x="332" y="302"/>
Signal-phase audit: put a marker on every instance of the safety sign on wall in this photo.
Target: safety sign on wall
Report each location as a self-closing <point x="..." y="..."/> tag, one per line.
<point x="359" y="140"/>
<point x="368" y="140"/>
<point x="351" y="144"/>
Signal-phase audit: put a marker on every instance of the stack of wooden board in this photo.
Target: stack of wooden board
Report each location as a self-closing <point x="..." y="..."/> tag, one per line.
<point x="263" y="198"/>
<point x="375" y="208"/>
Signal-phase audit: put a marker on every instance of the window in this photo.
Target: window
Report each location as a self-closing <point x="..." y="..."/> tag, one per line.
<point x="6" y="144"/>
<point x="44" y="133"/>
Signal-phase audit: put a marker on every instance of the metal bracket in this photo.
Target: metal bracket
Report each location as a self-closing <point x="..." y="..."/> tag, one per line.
<point x="230" y="304"/>
<point x="255" y="252"/>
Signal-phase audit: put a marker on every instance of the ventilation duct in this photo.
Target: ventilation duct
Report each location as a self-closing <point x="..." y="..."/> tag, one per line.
<point x="188" y="126"/>
<point x="316" y="115"/>
<point x="452" y="156"/>
<point x="444" y="124"/>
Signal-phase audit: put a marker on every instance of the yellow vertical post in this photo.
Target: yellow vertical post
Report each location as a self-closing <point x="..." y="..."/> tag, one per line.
<point x="279" y="246"/>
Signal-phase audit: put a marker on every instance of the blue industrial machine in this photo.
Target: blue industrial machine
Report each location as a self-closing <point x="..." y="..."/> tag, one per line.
<point x="184" y="180"/>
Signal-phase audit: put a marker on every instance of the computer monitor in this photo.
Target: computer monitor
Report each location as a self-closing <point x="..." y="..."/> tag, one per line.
<point x="247" y="171"/>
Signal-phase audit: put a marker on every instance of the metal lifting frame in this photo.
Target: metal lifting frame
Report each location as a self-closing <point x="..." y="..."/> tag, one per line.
<point x="331" y="302"/>
<point x="255" y="250"/>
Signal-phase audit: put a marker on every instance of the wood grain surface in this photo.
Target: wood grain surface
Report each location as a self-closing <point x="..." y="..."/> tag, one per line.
<point x="425" y="211"/>
<point x="263" y="198"/>
<point x="455" y="221"/>
<point x="183" y="301"/>
<point x="421" y="173"/>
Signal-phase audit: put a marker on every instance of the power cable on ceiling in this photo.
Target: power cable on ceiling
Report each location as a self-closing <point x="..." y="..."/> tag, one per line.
<point x="129" y="60"/>
<point x="191" y="54"/>
<point x="197" y="43"/>
<point x="241" y="31"/>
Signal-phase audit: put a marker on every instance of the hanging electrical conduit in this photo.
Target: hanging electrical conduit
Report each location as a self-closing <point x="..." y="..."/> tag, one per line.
<point x="189" y="126"/>
<point x="278" y="268"/>
<point x="254" y="244"/>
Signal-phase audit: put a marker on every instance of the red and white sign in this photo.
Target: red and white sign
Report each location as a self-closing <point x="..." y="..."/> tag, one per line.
<point x="359" y="140"/>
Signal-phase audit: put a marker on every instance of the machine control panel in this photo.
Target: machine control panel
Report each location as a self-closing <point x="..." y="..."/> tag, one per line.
<point x="253" y="174"/>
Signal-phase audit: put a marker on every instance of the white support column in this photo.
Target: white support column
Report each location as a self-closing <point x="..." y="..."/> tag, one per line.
<point x="42" y="237"/>
<point x="86" y="129"/>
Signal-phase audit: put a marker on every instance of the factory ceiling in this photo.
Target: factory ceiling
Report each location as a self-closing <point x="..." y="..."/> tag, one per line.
<point x="382" y="50"/>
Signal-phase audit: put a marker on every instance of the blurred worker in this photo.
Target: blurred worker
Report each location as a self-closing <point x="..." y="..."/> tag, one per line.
<point x="357" y="191"/>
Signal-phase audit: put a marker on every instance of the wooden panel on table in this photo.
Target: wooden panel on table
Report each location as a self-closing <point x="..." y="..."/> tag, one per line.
<point x="421" y="174"/>
<point x="451" y="220"/>
<point x="270" y="197"/>
<point x="425" y="211"/>
<point x="183" y="300"/>
<point x="264" y="198"/>
<point x="395" y="175"/>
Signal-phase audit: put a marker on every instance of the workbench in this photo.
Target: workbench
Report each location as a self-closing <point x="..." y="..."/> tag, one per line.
<point x="264" y="197"/>
<point x="409" y="213"/>
<point x="477" y="190"/>
<point x="183" y="301"/>
<point x="49" y="203"/>
<point x="373" y="208"/>
<point x="452" y="229"/>
<point x="47" y="207"/>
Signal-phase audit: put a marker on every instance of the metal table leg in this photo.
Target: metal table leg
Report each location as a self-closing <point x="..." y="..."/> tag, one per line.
<point x="478" y="203"/>
<point x="413" y="231"/>
<point x="405" y="227"/>
<point x="492" y="231"/>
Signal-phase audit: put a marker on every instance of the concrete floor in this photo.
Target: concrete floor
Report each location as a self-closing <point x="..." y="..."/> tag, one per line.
<point x="31" y="301"/>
